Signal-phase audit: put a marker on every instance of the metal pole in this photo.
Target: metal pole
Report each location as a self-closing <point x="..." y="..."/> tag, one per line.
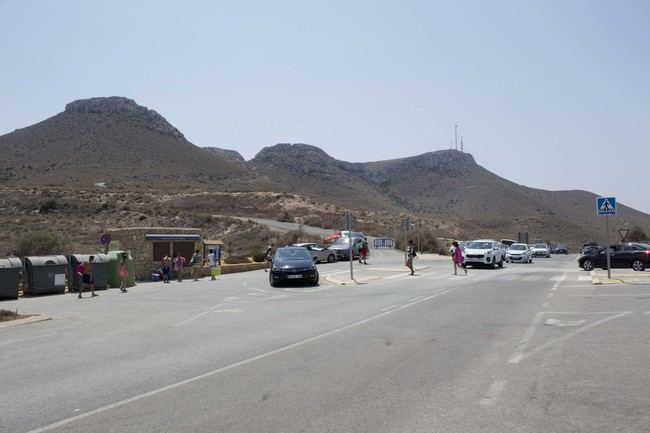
<point x="350" y="241"/>
<point x="456" y="136"/>
<point x="609" y="267"/>
<point x="417" y="226"/>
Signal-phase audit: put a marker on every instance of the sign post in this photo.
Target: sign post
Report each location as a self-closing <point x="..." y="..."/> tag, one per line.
<point x="623" y="234"/>
<point x="606" y="206"/>
<point x="406" y="226"/>
<point x="105" y="240"/>
<point x="347" y="220"/>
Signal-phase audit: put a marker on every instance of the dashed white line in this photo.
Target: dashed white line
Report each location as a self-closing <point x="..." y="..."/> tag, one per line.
<point x="390" y="307"/>
<point x="492" y="395"/>
<point x="523" y="344"/>
<point x="193" y="318"/>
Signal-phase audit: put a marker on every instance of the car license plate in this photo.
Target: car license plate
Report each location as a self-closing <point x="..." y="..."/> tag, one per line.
<point x="294" y="277"/>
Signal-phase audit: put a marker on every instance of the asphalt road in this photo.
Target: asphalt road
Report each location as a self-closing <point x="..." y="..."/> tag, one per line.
<point x="527" y="348"/>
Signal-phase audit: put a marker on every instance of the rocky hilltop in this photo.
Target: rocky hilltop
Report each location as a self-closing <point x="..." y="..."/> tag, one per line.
<point x="124" y="110"/>
<point x="113" y="140"/>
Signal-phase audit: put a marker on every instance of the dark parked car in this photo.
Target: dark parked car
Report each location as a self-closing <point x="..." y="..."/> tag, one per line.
<point x="630" y="255"/>
<point x="562" y="249"/>
<point x="293" y="264"/>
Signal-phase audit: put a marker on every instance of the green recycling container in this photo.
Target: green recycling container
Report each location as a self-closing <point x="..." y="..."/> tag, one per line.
<point x="114" y="259"/>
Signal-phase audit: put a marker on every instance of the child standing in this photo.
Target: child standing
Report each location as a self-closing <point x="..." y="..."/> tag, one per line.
<point x="124" y="273"/>
<point x="457" y="258"/>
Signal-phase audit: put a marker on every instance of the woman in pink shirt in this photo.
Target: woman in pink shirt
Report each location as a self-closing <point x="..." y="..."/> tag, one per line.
<point x="457" y="258"/>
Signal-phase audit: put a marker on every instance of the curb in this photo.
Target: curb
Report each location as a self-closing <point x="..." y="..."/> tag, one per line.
<point x="32" y="319"/>
<point x="348" y="282"/>
<point x="402" y="269"/>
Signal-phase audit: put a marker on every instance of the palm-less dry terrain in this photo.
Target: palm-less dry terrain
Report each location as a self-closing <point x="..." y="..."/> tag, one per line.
<point x="109" y="162"/>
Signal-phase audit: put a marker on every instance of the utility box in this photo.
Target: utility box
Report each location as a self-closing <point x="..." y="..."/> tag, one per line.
<point x="10" y="270"/>
<point x="100" y="270"/>
<point x="44" y="275"/>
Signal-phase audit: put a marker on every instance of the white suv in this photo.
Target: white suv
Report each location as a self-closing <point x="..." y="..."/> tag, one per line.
<point x="486" y="252"/>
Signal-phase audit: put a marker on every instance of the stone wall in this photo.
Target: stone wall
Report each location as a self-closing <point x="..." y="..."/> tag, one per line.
<point x="132" y="240"/>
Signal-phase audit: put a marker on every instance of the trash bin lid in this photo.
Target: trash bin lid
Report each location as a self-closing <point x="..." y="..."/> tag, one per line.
<point x="99" y="258"/>
<point x="45" y="260"/>
<point x="11" y="262"/>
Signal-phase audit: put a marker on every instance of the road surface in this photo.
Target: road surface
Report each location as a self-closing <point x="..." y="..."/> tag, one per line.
<point x="527" y="348"/>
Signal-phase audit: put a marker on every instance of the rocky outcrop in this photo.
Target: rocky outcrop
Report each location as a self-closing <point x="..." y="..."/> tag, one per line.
<point x="120" y="108"/>
<point x="230" y="155"/>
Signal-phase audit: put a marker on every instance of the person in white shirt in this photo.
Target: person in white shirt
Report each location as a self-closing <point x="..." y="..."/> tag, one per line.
<point x="212" y="263"/>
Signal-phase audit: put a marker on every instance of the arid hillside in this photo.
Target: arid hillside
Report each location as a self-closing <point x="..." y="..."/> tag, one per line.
<point x="109" y="162"/>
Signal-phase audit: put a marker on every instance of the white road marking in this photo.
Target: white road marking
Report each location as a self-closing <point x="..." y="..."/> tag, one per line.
<point x="523" y="344"/>
<point x="228" y="310"/>
<point x="492" y="395"/>
<point x="214" y="372"/>
<point x="415" y="299"/>
<point x="532" y="278"/>
<point x="558" y="278"/>
<point x="570" y="335"/>
<point x="20" y="340"/>
<point x="193" y="318"/>
<point x="584" y="278"/>
<point x="545" y="304"/>
<point x="584" y="313"/>
<point x="645" y="295"/>
<point x="563" y="324"/>
<point x="390" y="307"/>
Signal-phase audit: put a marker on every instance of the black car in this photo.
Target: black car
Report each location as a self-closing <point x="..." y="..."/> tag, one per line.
<point x="293" y="265"/>
<point x="562" y="249"/>
<point x="630" y="255"/>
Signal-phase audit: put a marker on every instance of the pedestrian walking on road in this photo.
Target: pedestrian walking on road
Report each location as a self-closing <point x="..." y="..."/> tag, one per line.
<point x="179" y="263"/>
<point x="196" y="262"/>
<point x="212" y="263"/>
<point x="79" y="270"/>
<point x="268" y="256"/>
<point x="124" y="273"/>
<point x="87" y="277"/>
<point x="166" y="268"/>
<point x="363" y="251"/>
<point x="410" y="255"/>
<point x="457" y="258"/>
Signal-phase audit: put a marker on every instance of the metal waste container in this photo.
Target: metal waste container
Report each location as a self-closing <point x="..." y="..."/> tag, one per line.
<point x="100" y="270"/>
<point x="10" y="270"/>
<point x="45" y="274"/>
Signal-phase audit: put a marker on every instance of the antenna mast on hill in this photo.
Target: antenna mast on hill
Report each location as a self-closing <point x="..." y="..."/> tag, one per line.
<point x="461" y="143"/>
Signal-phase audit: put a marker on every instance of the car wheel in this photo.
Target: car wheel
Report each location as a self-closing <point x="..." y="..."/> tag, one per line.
<point x="315" y="280"/>
<point x="331" y="258"/>
<point x="638" y="265"/>
<point x="493" y="265"/>
<point x="588" y="265"/>
<point x="501" y="263"/>
<point x="271" y="282"/>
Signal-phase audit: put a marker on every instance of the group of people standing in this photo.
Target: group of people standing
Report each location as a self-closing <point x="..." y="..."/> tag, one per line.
<point x="174" y="267"/>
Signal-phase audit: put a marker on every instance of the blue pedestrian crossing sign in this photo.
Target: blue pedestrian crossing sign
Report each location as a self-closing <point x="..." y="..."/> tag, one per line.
<point x="606" y="205"/>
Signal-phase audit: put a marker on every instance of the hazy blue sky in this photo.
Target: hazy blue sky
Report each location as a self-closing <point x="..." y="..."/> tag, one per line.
<point x="550" y="94"/>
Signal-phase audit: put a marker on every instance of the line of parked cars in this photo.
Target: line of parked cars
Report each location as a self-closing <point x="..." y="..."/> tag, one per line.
<point x="492" y="253"/>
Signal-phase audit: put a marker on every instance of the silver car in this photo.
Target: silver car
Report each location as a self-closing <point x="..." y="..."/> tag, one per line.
<point x="318" y="252"/>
